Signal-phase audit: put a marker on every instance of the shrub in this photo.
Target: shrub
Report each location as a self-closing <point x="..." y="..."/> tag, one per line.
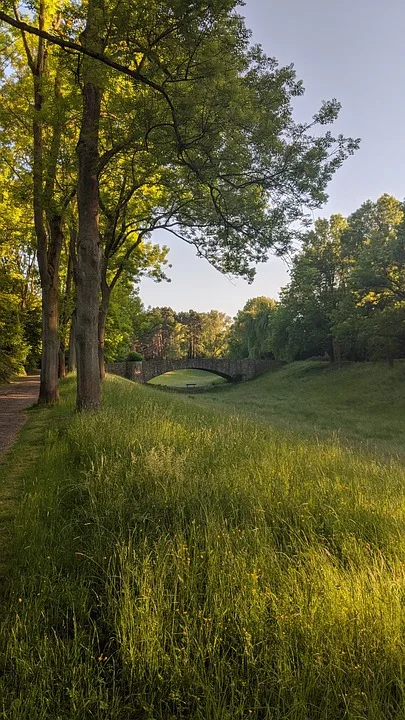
<point x="135" y="357"/>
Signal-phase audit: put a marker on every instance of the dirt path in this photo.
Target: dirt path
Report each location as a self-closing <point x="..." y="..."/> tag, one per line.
<point x="14" y="398"/>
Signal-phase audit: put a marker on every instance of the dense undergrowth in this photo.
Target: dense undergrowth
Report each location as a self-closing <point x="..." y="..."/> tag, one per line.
<point x="176" y="563"/>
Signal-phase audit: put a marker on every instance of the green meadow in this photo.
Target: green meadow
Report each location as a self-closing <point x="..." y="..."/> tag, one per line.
<point x="362" y="403"/>
<point x="211" y="558"/>
<point x="182" y="378"/>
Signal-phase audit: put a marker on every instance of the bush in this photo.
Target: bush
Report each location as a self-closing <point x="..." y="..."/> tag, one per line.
<point x="135" y="357"/>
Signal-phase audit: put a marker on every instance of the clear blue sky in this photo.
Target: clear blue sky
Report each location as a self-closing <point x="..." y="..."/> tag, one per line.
<point x="353" y="50"/>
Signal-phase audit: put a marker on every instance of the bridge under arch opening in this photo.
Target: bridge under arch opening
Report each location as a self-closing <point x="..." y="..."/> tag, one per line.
<point x="190" y="377"/>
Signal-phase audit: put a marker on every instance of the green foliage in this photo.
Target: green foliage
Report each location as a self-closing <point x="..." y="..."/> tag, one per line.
<point x="134" y="357"/>
<point x="347" y="291"/>
<point x="124" y="308"/>
<point x="204" y="143"/>
<point x="163" y="333"/>
<point x="376" y="238"/>
<point x="13" y="349"/>
<point x="251" y="332"/>
<point x="20" y="320"/>
<point x="179" y="563"/>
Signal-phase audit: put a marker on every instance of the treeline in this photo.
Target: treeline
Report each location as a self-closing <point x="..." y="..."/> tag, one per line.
<point x="345" y="300"/>
<point x="115" y="122"/>
<point x="346" y="297"/>
<point x="163" y="333"/>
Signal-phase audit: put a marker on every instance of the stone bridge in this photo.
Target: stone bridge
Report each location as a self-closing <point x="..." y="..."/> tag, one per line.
<point x="232" y="370"/>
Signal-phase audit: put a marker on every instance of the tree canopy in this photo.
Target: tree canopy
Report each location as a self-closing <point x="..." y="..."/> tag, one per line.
<point x="182" y="125"/>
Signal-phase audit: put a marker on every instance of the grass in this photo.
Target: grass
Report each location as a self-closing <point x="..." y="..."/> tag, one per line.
<point x="181" y="563"/>
<point x="361" y="402"/>
<point x="181" y="378"/>
<point x="13" y="464"/>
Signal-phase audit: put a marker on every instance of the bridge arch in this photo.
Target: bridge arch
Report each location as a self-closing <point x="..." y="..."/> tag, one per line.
<point x="217" y="373"/>
<point x="232" y="370"/>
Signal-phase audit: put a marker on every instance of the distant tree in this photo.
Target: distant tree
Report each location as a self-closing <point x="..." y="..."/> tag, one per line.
<point x="251" y="332"/>
<point x="304" y="325"/>
<point x="215" y="334"/>
<point x="203" y="334"/>
<point x="163" y="333"/>
<point x="374" y="244"/>
<point x="125" y="307"/>
<point x="347" y="291"/>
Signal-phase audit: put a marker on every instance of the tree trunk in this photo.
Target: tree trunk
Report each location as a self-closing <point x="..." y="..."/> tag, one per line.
<point x="48" y="389"/>
<point x="49" y="271"/>
<point x="102" y="319"/>
<point x="62" y="361"/>
<point x="337" y="356"/>
<point x="72" y="345"/>
<point x="88" y="245"/>
<point x="49" y="246"/>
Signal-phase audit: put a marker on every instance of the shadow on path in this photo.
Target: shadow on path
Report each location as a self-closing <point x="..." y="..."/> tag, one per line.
<point x="14" y="398"/>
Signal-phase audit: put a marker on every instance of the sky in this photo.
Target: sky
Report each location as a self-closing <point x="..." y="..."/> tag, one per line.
<point x="349" y="49"/>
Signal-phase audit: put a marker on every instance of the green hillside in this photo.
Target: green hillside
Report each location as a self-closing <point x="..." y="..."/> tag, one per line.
<point x="176" y="562"/>
<point x="361" y="401"/>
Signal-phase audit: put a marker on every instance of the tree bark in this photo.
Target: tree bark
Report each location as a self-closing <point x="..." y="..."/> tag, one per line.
<point x="337" y="356"/>
<point x="49" y="235"/>
<point x="102" y="319"/>
<point x="48" y="390"/>
<point x="88" y="246"/>
<point x="72" y="345"/>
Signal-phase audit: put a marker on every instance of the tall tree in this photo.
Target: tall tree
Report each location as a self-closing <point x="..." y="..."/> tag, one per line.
<point x="222" y="112"/>
<point x="304" y="324"/>
<point x="374" y="309"/>
<point x="251" y="332"/>
<point x="51" y="187"/>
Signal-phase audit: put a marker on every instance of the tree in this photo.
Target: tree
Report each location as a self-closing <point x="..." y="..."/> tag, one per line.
<point x="250" y="334"/>
<point x="50" y="195"/>
<point x="374" y="309"/>
<point x="222" y="112"/>
<point x="124" y="312"/>
<point x="304" y="323"/>
<point x="347" y="291"/>
<point x="20" y="320"/>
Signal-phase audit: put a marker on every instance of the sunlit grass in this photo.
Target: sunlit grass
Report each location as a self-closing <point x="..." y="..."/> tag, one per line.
<point x="182" y="378"/>
<point x="176" y="563"/>
<point x="360" y="402"/>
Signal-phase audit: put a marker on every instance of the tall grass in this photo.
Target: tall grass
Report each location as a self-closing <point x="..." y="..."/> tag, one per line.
<point x="177" y="563"/>
<point x="361" y="402"/>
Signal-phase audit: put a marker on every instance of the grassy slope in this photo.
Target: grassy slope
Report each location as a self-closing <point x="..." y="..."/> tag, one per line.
<point x="361" y="401"/>
<point x="180" y="378"/>
<point x="177" y="563"/>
